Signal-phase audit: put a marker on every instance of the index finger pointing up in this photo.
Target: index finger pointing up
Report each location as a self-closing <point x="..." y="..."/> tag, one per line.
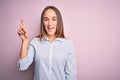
<point x="22" y="22"/>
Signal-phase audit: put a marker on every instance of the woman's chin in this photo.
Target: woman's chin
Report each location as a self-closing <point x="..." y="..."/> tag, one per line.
<point x="51" y="34"/>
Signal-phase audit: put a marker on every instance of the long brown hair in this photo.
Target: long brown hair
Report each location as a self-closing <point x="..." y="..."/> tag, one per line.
<point x="59" y="30"/>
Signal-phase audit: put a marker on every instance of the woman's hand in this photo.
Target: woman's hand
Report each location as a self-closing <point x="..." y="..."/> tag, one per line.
<point x="23" y="32"/>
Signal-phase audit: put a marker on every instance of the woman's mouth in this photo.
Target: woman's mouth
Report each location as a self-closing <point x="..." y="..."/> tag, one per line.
<point x="50" y="28"/>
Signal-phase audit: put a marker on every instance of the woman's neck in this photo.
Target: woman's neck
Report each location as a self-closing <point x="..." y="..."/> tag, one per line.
<point x="51" y="38"/>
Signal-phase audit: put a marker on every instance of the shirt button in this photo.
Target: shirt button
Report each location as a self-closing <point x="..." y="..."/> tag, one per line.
<point x="50" y="71"/>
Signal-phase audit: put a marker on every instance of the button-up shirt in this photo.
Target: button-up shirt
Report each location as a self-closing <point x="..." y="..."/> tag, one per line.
<point x="53" y="61"/>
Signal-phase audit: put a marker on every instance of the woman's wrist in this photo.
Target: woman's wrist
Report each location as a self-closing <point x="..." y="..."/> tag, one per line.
<point x="25" y="41"/>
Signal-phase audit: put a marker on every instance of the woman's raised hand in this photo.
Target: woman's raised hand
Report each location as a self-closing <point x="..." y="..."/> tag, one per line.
<point x="23" y="32"/>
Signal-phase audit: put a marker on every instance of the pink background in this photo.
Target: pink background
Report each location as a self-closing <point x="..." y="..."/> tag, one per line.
<point x="93" y="25"/>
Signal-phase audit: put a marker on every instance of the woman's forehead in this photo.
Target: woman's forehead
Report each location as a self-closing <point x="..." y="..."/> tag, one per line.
<point x="50" y="13"/>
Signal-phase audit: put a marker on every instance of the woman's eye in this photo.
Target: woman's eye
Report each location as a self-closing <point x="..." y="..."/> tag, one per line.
<point x="45" y="19"/>
<point x="54" y="19"/>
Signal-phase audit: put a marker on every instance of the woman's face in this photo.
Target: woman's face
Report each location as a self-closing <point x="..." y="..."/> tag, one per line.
<point x="50" y="22"/>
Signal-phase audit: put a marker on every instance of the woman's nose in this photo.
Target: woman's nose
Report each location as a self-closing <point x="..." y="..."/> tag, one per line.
<point x="49" y="22"/>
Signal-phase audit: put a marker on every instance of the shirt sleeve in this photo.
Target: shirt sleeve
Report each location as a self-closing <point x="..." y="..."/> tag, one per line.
<point x="70" y="67"/>
<point x="24" y="63"/>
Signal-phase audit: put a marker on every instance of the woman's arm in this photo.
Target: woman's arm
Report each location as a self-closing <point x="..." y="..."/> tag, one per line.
<point x="27" y="50"/>
<point x="24" y="35"/>
<point x="71" y="67"/>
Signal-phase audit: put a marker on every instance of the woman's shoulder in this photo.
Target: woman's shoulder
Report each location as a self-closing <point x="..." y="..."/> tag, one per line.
<point x="34" y="40"/>
<point x="66" y="41"/>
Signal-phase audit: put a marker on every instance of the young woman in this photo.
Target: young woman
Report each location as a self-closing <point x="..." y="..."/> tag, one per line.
<point x="53" y="54"/>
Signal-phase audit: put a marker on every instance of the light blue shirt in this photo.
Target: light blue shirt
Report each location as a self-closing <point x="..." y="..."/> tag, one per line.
<point x="53" y="61"/>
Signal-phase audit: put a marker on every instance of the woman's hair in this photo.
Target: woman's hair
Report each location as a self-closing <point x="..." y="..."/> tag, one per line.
<point x="59" y="30"/>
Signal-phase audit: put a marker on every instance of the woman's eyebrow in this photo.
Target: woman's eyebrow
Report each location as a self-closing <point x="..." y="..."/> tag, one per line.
<point x="45" y="17"/>
<point x="54" y="17"/>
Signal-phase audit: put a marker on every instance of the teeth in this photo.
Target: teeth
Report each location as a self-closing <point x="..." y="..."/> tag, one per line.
<point x="50" y="27"/>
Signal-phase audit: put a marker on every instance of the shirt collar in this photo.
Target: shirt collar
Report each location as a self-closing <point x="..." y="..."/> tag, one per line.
<point x="45" y="38"/>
